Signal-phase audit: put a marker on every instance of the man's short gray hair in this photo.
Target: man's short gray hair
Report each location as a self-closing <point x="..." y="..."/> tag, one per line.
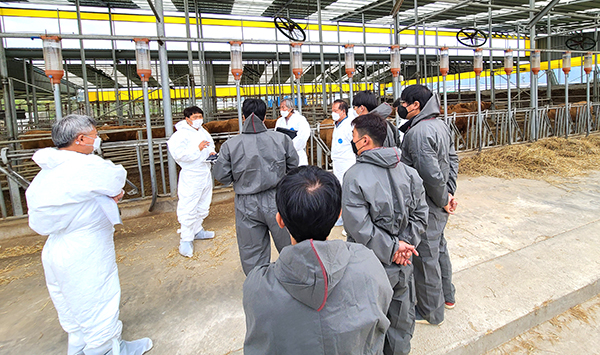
<point x="289" y="103"/>
<point x="65" y="131"/>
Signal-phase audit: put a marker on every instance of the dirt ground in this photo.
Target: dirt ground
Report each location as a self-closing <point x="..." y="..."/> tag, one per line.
<point x="194" y="305"/>
<point x="160" y="289"/>
<point x="188" y="300"/>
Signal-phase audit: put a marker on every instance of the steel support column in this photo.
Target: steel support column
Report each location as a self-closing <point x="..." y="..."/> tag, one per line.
<point x="202" y="60"/>
<point x="191" y="79"/>
<point x="151" y="164"/>
<point x="88" y="110"/>
<point x="11" y="125"/>
<point x="239" y="105"/>
<point x="417" y="60"/>
<point x="549" y="72"/>
<point x="340" y="66"/>
<point x="533" y="80"/>
<point x="365" y="51"/>
<point x="323" y="77"/>
<point x="27" y="97"/>
<point x="164" y="71"/>
<point x="33" y="93"/>
<point x="115" y="71"/>
<point x="492" y="78"/>
<point x="518" y="76"/>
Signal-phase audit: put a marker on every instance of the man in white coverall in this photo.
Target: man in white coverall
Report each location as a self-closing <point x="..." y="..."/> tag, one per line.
<point x="73" y="200"/>
<point x="341" y="149"/>
<point x="294" y="121"/>
<point x="190" y="146"/>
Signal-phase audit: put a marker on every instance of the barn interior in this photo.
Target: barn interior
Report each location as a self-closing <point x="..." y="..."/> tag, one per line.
<point x="474" y="54"/>
<point x="507" y="72"/>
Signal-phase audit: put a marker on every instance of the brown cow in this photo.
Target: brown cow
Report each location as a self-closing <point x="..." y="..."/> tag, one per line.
<point x="270" y="123"/>
<point x="40" y="139"/>
<point x="326" y="131"/>
<point x="462" y="122"/>
<point x="129" y="135"/>
<point x="223" y="126"/>
<point x="231" y="125"/>
<point x="572" y="110"/>
<point x="43" y="139"/>
<point x="463" y="107"/>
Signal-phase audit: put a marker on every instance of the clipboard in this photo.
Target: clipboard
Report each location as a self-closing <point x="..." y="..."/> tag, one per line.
<point x="291" y="133"/>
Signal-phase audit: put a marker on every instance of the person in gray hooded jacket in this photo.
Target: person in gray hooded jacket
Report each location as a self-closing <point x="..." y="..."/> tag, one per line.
<point x="429" y="148"/>
<point x="366" y="102"/>
<point x="320" y="296"/>
<point x="384" y="209"/>
<point x="254" y="162"/>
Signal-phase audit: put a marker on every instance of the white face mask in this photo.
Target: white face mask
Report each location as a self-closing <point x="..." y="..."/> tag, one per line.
<point x="284" y="114"/>
<point x="197" y="123"/>
<point x="96" y="144"/>
<point x="335" y="116"/>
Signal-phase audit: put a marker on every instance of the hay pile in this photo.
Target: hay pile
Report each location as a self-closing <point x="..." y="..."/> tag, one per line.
<point x="546" y="158"/>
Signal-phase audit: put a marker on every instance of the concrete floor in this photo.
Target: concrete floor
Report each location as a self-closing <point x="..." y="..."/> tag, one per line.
<point x="193" y="306"/>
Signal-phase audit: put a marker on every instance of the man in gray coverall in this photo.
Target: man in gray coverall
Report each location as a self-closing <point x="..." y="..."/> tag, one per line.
<point x="255" y="161"/>
<point x="366" y="102"/>
<point x="384" y="209"/>
<point x="321" y="297"/>
<point x="428" y="147"/>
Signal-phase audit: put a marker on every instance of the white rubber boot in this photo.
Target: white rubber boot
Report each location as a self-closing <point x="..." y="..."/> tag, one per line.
<point x="134" y="347"/>
<point x="76" y="343"/>
<point x="204" y="235"/>
<point x="186" y="249"/>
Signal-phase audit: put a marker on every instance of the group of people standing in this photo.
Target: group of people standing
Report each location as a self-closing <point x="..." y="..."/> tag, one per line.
<point x="395" y="189"/>
<point x="364" y="295"/>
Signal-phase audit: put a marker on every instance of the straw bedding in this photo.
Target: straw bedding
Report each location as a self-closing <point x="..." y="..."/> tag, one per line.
<point x="545" y="159"/>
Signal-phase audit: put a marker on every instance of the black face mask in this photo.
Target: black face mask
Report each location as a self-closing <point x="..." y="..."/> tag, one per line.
<point x="403" y="112"/>
<point x="354" y="149"/>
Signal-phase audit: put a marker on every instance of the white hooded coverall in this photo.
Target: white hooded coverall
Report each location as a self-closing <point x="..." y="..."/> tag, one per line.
<point x="69" y="200"/>
<point x="341" y="150"/>
<point x="195" y="179"/>
<point x="297" y="123"/>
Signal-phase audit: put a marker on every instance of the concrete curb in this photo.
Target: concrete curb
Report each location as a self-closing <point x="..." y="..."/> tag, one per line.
<point x="18" y="226"/>
<point x="533" y="319"/>
<point x="501" y="298"/>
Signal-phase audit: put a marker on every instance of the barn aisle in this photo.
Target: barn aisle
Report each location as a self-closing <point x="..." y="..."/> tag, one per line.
<point x="520" y="250"/>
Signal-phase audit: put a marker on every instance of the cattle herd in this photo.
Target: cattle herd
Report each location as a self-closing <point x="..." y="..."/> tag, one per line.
<point x="35" y="139"/>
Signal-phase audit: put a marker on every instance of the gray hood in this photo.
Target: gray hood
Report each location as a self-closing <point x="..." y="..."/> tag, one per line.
<point x="384" y="157"/>
<point x="432" y="108"/>
<point x="311" y="269"/>
<point x="253" y="125"/>
<point x="383" y="110"/>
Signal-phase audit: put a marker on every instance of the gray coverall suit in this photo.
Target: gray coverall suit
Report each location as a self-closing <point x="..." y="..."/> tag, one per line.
<point x="428" y="147"/>
<point x="255" y="161"/>
<point x="383" y="202"/>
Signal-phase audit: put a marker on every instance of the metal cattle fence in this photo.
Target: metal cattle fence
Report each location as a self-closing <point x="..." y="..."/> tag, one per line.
<point x="471" y="131"/>
<point x="491" y="128"/>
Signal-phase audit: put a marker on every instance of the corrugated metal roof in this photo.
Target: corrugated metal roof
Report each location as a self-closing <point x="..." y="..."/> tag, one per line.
<point x="507" y="15"/>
